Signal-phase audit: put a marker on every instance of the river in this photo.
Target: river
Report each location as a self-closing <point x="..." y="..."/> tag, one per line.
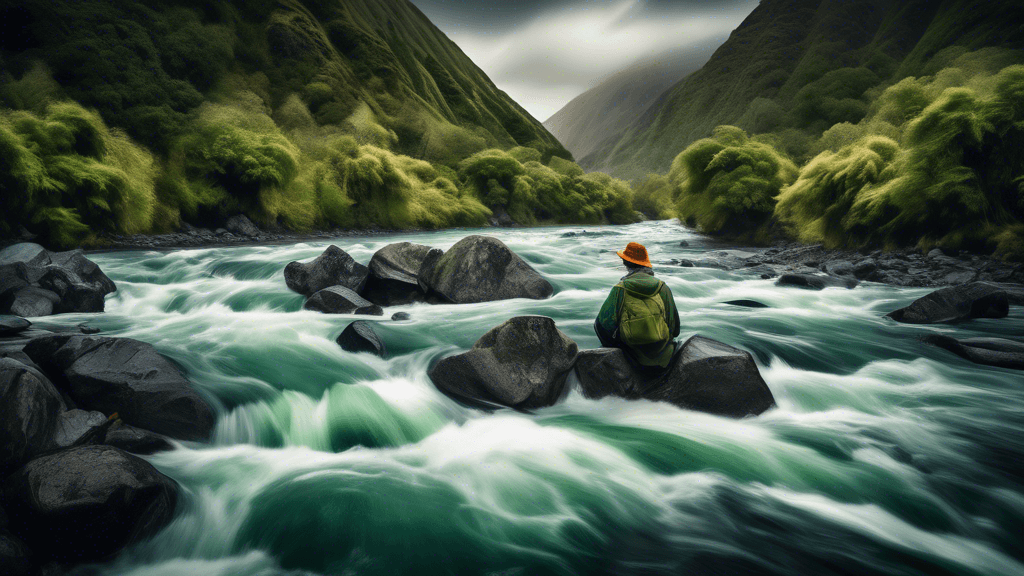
<point x="884" y="455"/>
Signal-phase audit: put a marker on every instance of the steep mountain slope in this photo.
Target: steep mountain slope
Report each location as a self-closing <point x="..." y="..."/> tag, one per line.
<point x="805" y="65"/>
<point x="610" y="107"/>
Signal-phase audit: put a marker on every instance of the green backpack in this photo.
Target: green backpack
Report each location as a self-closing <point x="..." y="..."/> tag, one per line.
<point x="642" y="318"/>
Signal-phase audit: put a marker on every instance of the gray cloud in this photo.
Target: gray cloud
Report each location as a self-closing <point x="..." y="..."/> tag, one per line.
<point x="544" y="54"/>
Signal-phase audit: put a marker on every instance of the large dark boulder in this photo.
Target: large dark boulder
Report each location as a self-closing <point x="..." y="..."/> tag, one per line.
<point x="483" y="269"/>
<point x="706" y="375"/>
<point x="242" y="226"/>
<point x="79" y="427"/>
<point x="136" y="440"/>
<point x="86" y="503"/>
<point x="523" y="363"/>
<point x="15" y="556"/>
<point x="29" y="410"/>
<point x="815" y="282"/>
<point x="989" y="351"/>
<point x="38" y="282"/>
<point x="341" y="300"/>
<point x="125" y="376"/>
<point x="360" y="336"/>
<point x="11" y="325"/>
<point x="394" y="274"/>
<point x="955" y="304"/>
<point x="332" y="268"/>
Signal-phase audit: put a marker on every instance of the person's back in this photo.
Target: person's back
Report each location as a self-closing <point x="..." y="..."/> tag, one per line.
<point x="640" y="315"/>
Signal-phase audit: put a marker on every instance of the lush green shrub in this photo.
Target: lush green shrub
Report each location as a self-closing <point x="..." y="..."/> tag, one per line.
<point x="728" y="183"/>
<point x="653" y="197"/>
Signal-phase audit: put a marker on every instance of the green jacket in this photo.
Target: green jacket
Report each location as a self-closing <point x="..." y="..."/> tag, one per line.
<point x="641" y="281"/>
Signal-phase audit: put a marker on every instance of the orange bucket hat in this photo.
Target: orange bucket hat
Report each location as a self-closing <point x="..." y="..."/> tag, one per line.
<point x="636" y="254"/>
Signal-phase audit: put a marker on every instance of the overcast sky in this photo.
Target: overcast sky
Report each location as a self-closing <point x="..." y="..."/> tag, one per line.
<point x="543" y="53"/>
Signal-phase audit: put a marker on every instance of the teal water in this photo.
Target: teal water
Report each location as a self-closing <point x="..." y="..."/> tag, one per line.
<point x="884" y="456"/>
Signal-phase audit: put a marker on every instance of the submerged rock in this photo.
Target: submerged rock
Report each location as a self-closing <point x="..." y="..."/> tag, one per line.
<point x="747" y="303"/>
<point x="394" y="274"/>
<point x="706" y="375"/>
<point x="523" y="363"/>
<point x="332" y="268"/>
<point x="341" y="300"/>
<point x="125" y="376"/>
<point x="29" y="410"/>
<point x="86" y="503"/>
<point x="955" y="304"/>
<point x="815" y="282"/>
<point x="483" y="269"/>
<point x="360" y="336"/>
<point x="399" y="316"/>
<point x="989" y="351"/>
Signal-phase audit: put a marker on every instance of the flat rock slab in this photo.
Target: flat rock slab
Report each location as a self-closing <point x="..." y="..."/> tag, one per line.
<point x="86" y="503"/>
<point x="706" y="375"/>
<point x="11" y="325"/>
<point x="332" y="268"/>
<point x="815" y="282"/>
<point x="482" y="269"/>
<point x="956" y="304"/>
<point x="30" y="407"/>
<point x="522" y="363"/>
<point x="998" y="352"/>
<point x="341" y="300"/>
<point x="125" y="376"/>
<point x="360" y="336"/>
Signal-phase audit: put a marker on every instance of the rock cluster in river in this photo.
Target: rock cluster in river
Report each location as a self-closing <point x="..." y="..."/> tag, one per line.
<point x="37" y="282"/>
<point x="73" y="410"/>
<point x="475" y="269"/>
<point x="524" y="363"/>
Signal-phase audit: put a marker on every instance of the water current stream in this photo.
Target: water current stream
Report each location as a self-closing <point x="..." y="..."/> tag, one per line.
<point x="884" y="455"/>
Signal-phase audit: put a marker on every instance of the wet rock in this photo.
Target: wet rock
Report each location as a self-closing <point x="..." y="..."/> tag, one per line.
<point x="864" y="268"/>
<point x="394" y="274"/>
<point x="483" y="269"/>
<point x="125" y="376"/>
<point x="606" y="372"/>
<point x="683" y="243"/>
<point x="838" y="268"/>
<point x="341" y="300"/>
<point x="136" y="440"/>
<point x="15" y="557"/>
<point x="955" y="304"/>
<point x="747" y="303"/>
<point x="11" y="325"/>
<point x="706" y="376"/>
<point x="686" y="263"/>
<point x="397" y="316"/>
<point x="86" y="329"/>
<point x="522" y="363"/>
<point x="31" y="301"/>
<point x="242" y="226"/>
<point x="79" y="427"/>
<point x="360" y="336"/>
<point x="86" y="503"/>
<point x="500" y="218"/>
<point x="38" y="282"/>
<point x="709" y="376"/>
<point x="29" y="409"/>
<point x="332" y="268"/>
<point x="814" y="282"/>
<point x="989" y="351"/>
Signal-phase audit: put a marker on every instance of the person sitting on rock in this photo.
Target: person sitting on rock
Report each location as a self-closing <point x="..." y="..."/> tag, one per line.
<point x="640" y="315"/>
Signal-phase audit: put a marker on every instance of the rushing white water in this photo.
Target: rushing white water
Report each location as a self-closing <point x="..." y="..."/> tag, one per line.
<point x="884" y="456"/>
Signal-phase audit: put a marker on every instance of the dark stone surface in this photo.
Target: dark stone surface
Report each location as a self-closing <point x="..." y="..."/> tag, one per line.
<point x="86" y="329"/>
<point x="398" y="316"/>
<point x="78" y="427"/>
<point x="37" y="282"/>
<point x="86" y="503"/>
<point x="136" y="440"/>
<point x="341" y="300"/>
<point x="706" y="375"/>
<point x="242" y="226"/>
<point x="31" y="301"/>
<point x="29" y="409"/>
<point x="522" y="363"/>
<point x="955" y="304"/>
<point x="606" y="372"/>
<point x="989" y="351"/>
<point x="483" y="269"/>
<point x="10" y="325"/>
<point x="125" y="376"/>
<point x="15" y="557"/>
<point x="360" y="336"/>
<point x="332" y="268"/>
<point x="747" y="303"/>
<point x="394" y="274"/>
<point x="713" y="377"/>
<point x="427" y="268"/>
<point x="815" y="282"/>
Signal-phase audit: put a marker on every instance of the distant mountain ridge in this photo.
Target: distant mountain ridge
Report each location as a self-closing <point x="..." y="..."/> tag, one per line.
<point x="788" y="56"/>
<point x="610" y="107"/>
